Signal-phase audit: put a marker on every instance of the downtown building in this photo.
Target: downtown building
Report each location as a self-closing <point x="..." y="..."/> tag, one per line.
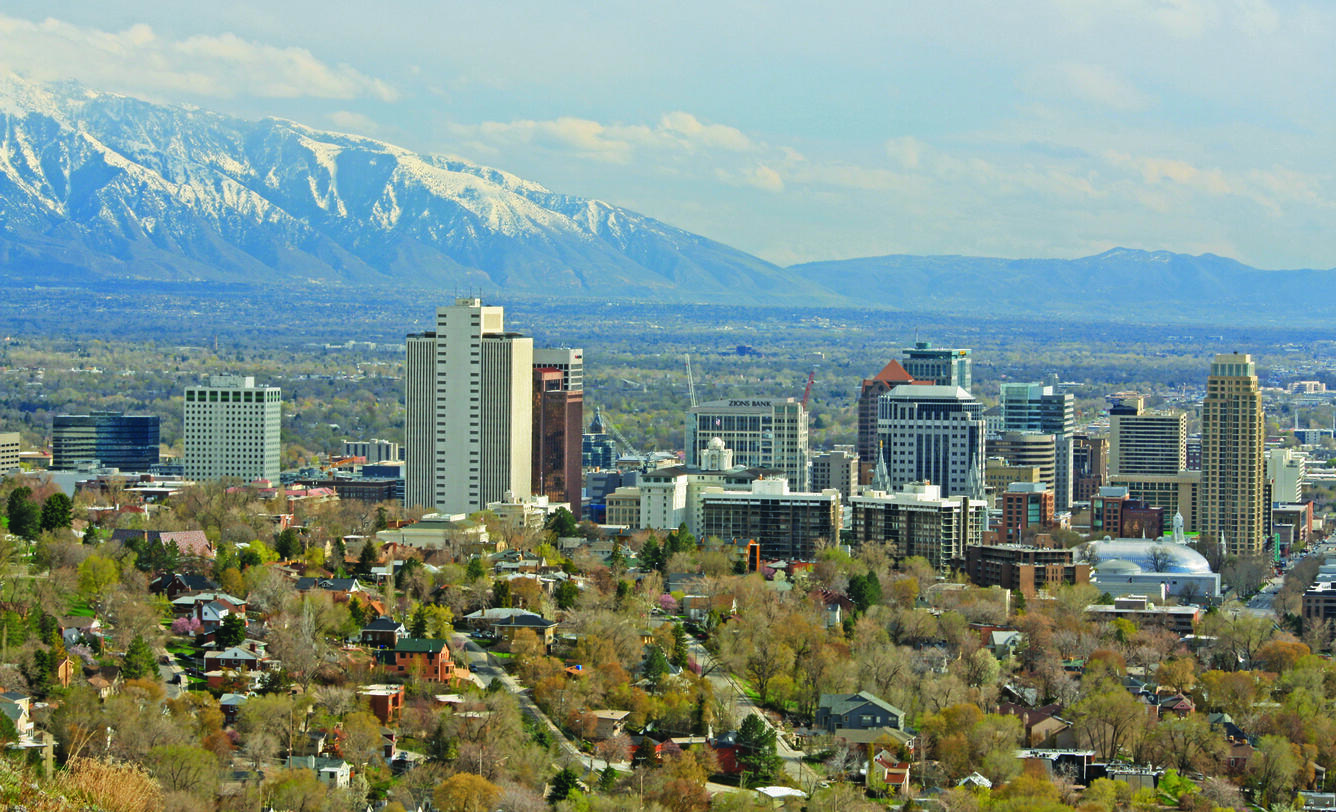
<point x="768" y="433"/>
<point x="869" y="396"/>
<point x="1233" y="504"/>
<point x="109" y="439"/>
<point x="558" y="420"/>
<point x="786" y="524"/>
<point x="1146" y="442"/>
<point x="1037" y="407"/>
<point x="932" y="434"/>
<point x="938" y="366"/>
<point x="917" y="520"/>
<point x="232" y="429"/>
<point x="469" y="411"/>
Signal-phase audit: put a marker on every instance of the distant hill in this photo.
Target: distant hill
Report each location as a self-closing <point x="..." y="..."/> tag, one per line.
<point x="98" y="187"/>
<point x="1119" y="284"/>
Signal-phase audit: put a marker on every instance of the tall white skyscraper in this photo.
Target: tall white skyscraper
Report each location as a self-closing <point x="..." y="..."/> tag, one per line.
<point x="933" y="434"/>
<point x="232" y="430"/>
<point x="469" y="396"/>
<point x="761" y="432"/>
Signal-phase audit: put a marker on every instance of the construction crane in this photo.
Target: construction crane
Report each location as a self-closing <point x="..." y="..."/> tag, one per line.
<point x="691" y="381"/>
<point x="807" y="393"/>
<point x="619" y="437"/>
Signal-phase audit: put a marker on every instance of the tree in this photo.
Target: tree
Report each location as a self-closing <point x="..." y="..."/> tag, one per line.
<point x="1274" y="769"/>
<point x="287" y="545"/>
<point x="96" y="573"/>
<point x="367" y="558"/>
<point x="57" y="512"/>
<point x="232" y="632"/>
<point x="758" y="752"/>
<point x="475" y="569"/>
<point x="184" y="768"/>
<point x="656" y="665"/>
<point x="566" y="594"/>
<point x="23" y="513"/>
<point x="562" y="783"/>
<point x="681" y="647"/>
<point x="865" y="590"/>
<point x="466" y="792"/>
<point x="562" y="523"/>
<point x="139" y="661"/>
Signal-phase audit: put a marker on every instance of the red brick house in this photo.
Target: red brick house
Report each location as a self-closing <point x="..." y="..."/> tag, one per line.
<point x="430" y="658"/>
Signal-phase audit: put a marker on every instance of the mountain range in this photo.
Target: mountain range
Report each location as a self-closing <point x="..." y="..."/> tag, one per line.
<point x="100" y="189"/>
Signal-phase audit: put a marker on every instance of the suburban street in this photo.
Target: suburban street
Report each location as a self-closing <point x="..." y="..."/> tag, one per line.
<point x="726" y="686"/>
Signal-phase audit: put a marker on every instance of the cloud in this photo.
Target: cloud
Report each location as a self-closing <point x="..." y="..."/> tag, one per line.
<point x="759" y="177"/>
<point x="675" y="133"/>
<point x="138" y="60"/>
<point x="1103" y="87"/>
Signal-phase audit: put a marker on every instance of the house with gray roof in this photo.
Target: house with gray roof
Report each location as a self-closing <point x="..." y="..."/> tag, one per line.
<point x="860" y="711"/>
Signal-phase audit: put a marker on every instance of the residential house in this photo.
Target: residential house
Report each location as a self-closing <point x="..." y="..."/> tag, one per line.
<point x="230" y="705"/>
<point x="236" y="658"/>
<point x="545" y="629"/>
<point x="1043" y="727"/>
<point x="860" y="711"/>
<point x="78" y="629"/>
<point x="105" y="680"/>
<point x="417" y="656"/>
<point x="1075" y="764"/>
<point x="383" y="632"/>
<point x="1004" y="642"/>
<point x="486" y="619"/>
<point x="698" y="607"/>
<point x="176" y="584"/>
<point x="387" y="701"/>
<point x="607" y="724"/>
<point x="887" y="773"/>
<point x="193" y="605"/>
<point x="18" y="707"/>
<point x="340" y="589"/>
<point x="1176" y="704"/>
<point x="189" y="542"/>
<point x="334" y="772"/>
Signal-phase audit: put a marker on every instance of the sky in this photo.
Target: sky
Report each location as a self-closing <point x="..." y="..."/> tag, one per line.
<point x="793" y="130"/>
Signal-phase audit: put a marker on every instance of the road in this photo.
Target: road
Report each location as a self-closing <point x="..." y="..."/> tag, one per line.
<point x="1261" y="603"/>
<point x="725" y="686"/>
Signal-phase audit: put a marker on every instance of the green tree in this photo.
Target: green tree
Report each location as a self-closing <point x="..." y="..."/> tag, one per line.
<point x="501" y="597"/>
<point x="96" y="573"/>
<point x="562" y="785"/>
<point x="562" y="523"/>
<point x="758" y="752"/>
<point x="367" y="559"/>
<point x="139" y="661"/>
<point x="287" y="545"/>
<point x="417" y="627"/>
<point x="656" y="665"/>
<point x="232" y="632"/>
<point x="475" y="569"/>
<point x="865" y="591"/>
<point x="681" y="648"/>
<point x="57" y="512"/>
<point x="23" y="513"/>
<point x="566" y="593"/>
<point x="184" y="768"/>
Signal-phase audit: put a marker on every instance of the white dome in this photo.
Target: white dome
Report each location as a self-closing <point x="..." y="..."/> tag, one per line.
<point x="716" y="444"/>
<point x="1177" y="558"/>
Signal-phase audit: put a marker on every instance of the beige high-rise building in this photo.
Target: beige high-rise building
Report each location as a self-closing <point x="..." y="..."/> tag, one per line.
<point x="469" y="399"/>
<point x="231" y="428"/>
<point x="1233" y="481"/>
<point x="1146" y="442"/>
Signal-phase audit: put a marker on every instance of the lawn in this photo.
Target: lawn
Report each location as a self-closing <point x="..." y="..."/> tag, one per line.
<point x="80" y="608"/>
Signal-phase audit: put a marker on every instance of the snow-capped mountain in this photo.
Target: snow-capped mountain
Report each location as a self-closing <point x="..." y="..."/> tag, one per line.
<point x="102" y="186"/>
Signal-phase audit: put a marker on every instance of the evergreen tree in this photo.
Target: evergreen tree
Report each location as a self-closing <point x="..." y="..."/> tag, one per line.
<point x="758" y="752"/>
<point x="56" y="512"/>
<point x="501" y="597"/>
<point x="232" y="632"/>
<point x="681" y="647"/>
<point x="475" y="569"/>
<point x="418" y="625"/>
<point x="563" y="783"/>
<point x="382" y="519"/>
<point x="366" y="559"/>
<point x="24" y="515"/>
<point x="617" y="560"/>
<point x="865" y="591"/>
<point x="287" y="544"/>
<point x="139" y="661"/>
<point x="562" y="523"/>
<point x="656" y="665"/>
<point x="651" y="555"/>
<point x="607" y="779"/>
<point x="566" y="593"/>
